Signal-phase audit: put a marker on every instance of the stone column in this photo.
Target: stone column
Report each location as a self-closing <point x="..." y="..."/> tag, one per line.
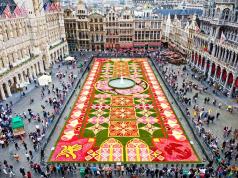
<point x="232" y="86"/>
<point x="30" y="75"/>
<point x="213" y="51"/>
<point x="226" y="82"/>
<point x="8" y="90"/>
<point x="231" y="57"/>
<point x="224" y="55"/>
<point x="219" y="53"/>
<point x="210" y="71"/>
<point x="34" y="72"/>
<point x="2" y="93"/>
<point x="22" y="77"/>
<point x="37" y="69"/>
<point x="42" y="67"/>
<point x="236" y="61"/>
<point x="205" y="66"/>
<point x="17" y="79"/>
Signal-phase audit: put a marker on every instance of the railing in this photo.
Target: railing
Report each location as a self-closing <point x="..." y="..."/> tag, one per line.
<point x="17" y="66"/>
<point x="226" y="1"/>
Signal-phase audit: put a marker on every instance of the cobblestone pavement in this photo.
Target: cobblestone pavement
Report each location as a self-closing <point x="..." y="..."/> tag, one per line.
<point x="226" y="119"/>
<point x="22" y="104"/>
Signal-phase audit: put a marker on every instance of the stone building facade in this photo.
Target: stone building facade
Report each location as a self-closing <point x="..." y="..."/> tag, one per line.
<point x="113" y="28"/>
<point x="216" y="57"/>
<point x="29" y="45"/>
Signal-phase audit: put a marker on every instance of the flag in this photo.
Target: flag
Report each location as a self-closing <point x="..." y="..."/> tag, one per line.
<point x="7" y="12"/>
<point x="223" y="38"/>
<point x="46" y="6"/>
<point x="57" y="5"/>
<point x="17" y="12"/>
<point x="197" y="29"/>
<point x="52" y="7"/>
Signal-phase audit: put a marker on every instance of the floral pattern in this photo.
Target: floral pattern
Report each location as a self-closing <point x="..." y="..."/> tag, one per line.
<point x="141" y="117"/>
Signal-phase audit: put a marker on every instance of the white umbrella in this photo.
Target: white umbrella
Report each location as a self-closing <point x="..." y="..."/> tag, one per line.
<point x="44" y="80"/>
<point x="69" y="58"/>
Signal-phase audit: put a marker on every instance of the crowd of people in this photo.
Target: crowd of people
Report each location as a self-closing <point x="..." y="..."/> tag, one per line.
<point x="53" y="97"/>
<point x="187" y="92"/>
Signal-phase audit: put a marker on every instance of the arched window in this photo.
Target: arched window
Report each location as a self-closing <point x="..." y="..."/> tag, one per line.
<point x="225" y="14"/>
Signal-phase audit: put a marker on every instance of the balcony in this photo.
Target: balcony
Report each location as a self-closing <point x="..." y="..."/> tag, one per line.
<point x="19" y="65"/>
<point x="226" y="1"/>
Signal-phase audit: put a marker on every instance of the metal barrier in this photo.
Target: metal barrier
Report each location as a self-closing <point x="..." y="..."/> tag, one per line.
<point x="65" y="104"/>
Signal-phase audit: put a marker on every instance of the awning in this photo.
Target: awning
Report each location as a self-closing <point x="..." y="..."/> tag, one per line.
<point x="126" y="45"/>
<point x="139" y="44"/>
<point x="44" y="80"/>
<point x="154" y="43"/>
<point x="17" y="122"/>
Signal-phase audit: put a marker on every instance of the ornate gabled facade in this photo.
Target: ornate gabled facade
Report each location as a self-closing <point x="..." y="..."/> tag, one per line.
<point x="147" y="28"/>
<point x="97" y="31"/>
<point x="214" y="53"/>
<point x="112" y="29"/>
<point x="212" y="44"/>
<point x="116" y="28"/>
<point x="29" y="45"/>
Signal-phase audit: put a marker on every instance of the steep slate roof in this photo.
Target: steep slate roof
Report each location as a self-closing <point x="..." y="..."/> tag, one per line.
<point x="178" y="11"/>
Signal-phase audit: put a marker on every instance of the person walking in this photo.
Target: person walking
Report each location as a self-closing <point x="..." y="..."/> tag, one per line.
<point x="11" y="171"/>
<point x="29" y="174"/>
<point x="16" y="146"/>
<point x="24" y="145"/>
<point x="31" y="154"/>
<point x="17" y="157"/>
<point x="27" y="156"/>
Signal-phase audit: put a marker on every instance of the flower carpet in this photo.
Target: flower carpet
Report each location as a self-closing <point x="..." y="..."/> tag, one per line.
<point x="134" y="124"/>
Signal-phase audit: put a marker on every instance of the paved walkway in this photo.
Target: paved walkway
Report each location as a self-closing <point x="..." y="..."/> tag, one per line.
<point x="22" y="104"/>
<point x="226" y="118"/>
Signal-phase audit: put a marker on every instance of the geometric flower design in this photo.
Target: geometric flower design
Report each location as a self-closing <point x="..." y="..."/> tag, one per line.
<point x="123" y="129"/>
<point x="137" y="150"/>
<point x="145" y="112"/>
<point x="98" y="120"/>
<point x="150" y="128"/>
<point x="110" y="150"/>
<point x="122" y="100"/>
<point x="128" y="116"/>
<point x="119" y="113"/>
<point x="96" y="128"/>
<point x="147" y="120"/>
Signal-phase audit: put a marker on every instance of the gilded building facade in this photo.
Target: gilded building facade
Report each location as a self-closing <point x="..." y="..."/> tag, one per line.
<point x="211" y="44"/>
<point x="29" y="45"/>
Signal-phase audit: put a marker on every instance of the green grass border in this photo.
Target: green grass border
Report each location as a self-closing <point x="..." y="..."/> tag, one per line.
<point x="125" y="162"/>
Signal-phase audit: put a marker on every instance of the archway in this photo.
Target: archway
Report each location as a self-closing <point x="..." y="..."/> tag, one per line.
<point x="230" y="80"/>
<point x="224" y="76"/>
<point x="44" y="61"/>
<point x="208" y="66"/>
<point x="199" y="60"/>
<point x="218" y="73"/>
<point x="213" y="69"/>
<point x="203" y="62"/>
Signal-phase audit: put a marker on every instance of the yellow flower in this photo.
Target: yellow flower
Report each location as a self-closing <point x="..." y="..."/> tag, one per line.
<point x="68" y="151"/>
